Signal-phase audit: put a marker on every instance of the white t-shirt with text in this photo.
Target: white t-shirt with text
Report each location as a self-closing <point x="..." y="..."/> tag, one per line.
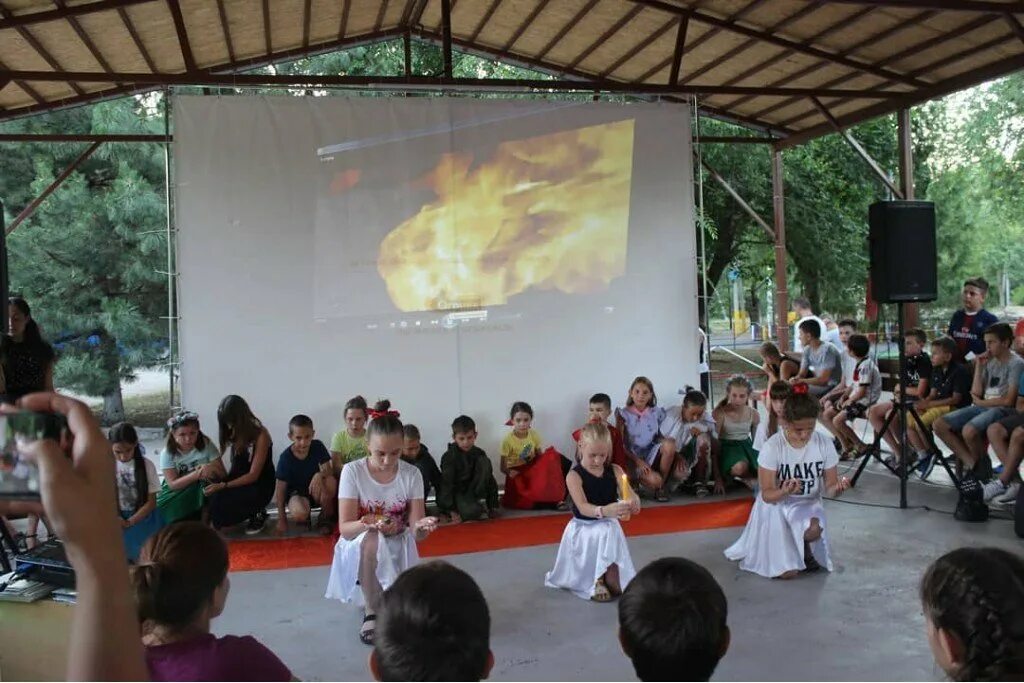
<point x="807" y="464"/>
<point x="127" y="496"/>
<point x="391" y="499"/>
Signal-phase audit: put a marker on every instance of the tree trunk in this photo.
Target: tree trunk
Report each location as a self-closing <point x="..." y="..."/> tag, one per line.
<point x="113" y="406"/>
<point x="110" y="360"/>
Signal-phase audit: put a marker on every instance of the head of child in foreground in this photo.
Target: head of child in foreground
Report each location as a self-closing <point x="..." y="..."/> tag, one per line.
<point x="433" y="625"/>
<point x="464" y="432"/>
<point x="914" y="342"/>
<point x="595" y="445"/>
<point x="859" y="346"/>
<point x="943" y="351"/>
<point x="672" y="621"/>
<point x="301" y="433"/>
<point x="998" y="338"/>
<point x="183" y="434"/>
<point x="737" y="391"/>
<point x="521" y="417"/>
<point x="695" y="404"/>
<point x="799" y="416"/>
<point x="181" y="579"/>
<point x="385" y="437"/>
<point x="410" y="442"/>
<point x="973" y="600"/>
<point x="355" y="414"/>
<point x="641" y="394"/>
<point x="599" y="408"/>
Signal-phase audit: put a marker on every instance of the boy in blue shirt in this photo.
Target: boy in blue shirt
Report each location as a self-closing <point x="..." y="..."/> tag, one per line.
<point x="305" y="479"/>
<point x="967" y="326"/>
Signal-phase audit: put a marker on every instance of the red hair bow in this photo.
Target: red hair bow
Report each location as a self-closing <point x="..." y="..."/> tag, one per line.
<point x="374" y="414"/>
<point x="800" y="389"/>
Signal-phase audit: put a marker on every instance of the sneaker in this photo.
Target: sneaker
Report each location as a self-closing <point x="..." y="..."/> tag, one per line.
<point x="256" y="522"/>
<point x="992" y="489"/>
<point x="702" y="490"/>
<point x="926" y="465"/>
<point x="1011" y="494"/>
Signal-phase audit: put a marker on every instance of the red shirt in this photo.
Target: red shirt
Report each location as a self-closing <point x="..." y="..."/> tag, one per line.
<point x="1018" y="331"/>
<point x="618" y="446"/>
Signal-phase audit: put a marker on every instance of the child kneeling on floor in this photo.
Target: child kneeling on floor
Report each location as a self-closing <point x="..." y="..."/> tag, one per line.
<point x="593" y="559"/>
<point x="786" y="531"/>
<point x="381" y="516"/>
<point x="305" y="479"/>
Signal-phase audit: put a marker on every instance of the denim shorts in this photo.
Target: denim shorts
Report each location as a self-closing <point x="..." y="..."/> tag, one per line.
<point x="979" y="418"/>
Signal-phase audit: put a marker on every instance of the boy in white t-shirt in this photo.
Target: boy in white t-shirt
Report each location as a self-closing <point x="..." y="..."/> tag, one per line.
<point x="863" y="392"/>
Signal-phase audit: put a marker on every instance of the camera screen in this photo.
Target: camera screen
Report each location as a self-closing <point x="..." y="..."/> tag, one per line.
<point x="19" y="475"/>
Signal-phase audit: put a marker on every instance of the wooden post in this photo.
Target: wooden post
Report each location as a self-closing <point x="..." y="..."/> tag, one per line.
<point x="781" y="295"/>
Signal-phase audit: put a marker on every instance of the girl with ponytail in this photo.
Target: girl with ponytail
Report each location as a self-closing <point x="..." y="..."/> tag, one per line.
<point x="137" y="485"/>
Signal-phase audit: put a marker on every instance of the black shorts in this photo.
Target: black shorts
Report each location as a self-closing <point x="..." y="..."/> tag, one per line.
<point x="855" y="410"/>
<point x="1012" y="422"/>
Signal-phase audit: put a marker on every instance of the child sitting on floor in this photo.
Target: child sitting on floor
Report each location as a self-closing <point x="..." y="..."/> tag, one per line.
<point x="651" y="457"/>
<point x="672" y="621"/>
<point x="737" y="422"/>
<point x="137" y="485"/>
<point x="190" y="461"/>
<point x="381" y="516"/>
<point x="861" y="395"/>
<point x="305" y="479"/>
<point x="533" y="476"/>
<point x="416" y="453"/>
<point x="599" y="409"/>
<point x="349" y="444"/>
<point x="786" y="532"/>
<point x="468" y="488"/>
<point x="593" y="559"/>
<point x="778" y="392"/>
<point x="692" y="431"/>
<point x="972" y="600"/>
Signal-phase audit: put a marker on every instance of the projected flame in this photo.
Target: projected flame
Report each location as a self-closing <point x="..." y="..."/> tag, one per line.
<point x="549" y="212"/>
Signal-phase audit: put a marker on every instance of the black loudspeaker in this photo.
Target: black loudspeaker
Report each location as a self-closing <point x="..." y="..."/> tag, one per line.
<point x="904" y="262"/>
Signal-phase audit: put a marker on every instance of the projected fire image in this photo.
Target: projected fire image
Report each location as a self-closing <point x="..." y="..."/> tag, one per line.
<point x="546" y="213"/>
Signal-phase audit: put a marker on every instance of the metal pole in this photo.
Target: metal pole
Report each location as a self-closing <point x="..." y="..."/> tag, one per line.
<point x="5" y="285"/>
<point x="901" y="406"/>
<point x="171" y="328"/>
<point x="781" y="295"/>
<point x="703" y="303"/>
<point x="446" y="36"/>
<point x="906" y="155"/>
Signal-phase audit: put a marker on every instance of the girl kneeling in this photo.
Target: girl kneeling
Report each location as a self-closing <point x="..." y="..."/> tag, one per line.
<point x="785" y="534"/>
<point x="593" y="559"/>
<point x="381" y="516"/>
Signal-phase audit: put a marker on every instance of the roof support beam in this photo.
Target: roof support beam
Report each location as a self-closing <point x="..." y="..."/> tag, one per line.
<point x="29" y="90"/>
<point x="612" y="30"/>
<point x="146" y="57"/>
<point x="723" y="139"/>
<point x="1015" y="25"/>
<point x="768" y="37"/>
<point x="537" y="9"/>
<point x="38" y="47"/>
<point x="639" y="47"/>
<point x="307" y="12"/>
<point x="945" y="5"/>
<point x="739" y="198"/>
<point x="677" y="54"/>
<point x="346" y="5"/>
<point x="57" y="182"/>
<point x="86" y="40"/>
<point x="71" y="11"/>
<point x="112" y="137"/>
<point x="483" y="20"/>
<point x="223" y="13"/>
<point x="577" y="18"/>
<point x="380" y="13"/>
<point x="179" y="28"/>
<point x="858" y="148"/>
<point x="268" y="39"/>
<point x="446" y="36"/>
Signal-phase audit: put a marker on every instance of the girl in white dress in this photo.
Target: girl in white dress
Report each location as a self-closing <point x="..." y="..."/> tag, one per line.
<point x="381" y="516"/>
<point x="786" y="532"/>
<point x="593" y="559"/>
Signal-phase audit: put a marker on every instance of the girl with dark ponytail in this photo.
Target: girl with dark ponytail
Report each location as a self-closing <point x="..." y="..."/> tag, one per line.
<point x="181" y="585"/>
<point x="973" y="601"/>
<point x="137" y="484"/>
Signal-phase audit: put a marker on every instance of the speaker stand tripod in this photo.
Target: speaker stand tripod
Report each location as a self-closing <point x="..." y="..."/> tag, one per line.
<point x="902" y="407"/>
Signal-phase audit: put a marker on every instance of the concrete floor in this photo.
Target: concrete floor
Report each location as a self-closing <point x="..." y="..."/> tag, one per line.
<point x="861" y="623"/>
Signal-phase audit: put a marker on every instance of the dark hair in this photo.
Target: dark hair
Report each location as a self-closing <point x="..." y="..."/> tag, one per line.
<point x="771" y="350"/>
<point x="918" y="334"/>
<point x="946" y="344"/>
<point x="520" y="407"/>
<point x="355" y="403"/>
<point x="672" y="621"/>
<point x="32" y="339"/>
<point x="238" y="426"/>
<point x="649" y="384"/>
<point x="977" y="595"/>
<point x="387" y="424"/>
<point x="411" y="432"/>
<point x="433" y="625"/>
<point x="979" y="282"/>
<point x="463" y="424"/>
<point x="299" y="421"/>
<point x="801" y="302"/>
<point x="693" y="397"/>
<point x="848" y="322"/>
<point x="801" y="406"/>
<point x="179" y="569"/>
<point x="123" y="432"/>
<point x="779" y="390"/>
<point x="858" y="345"/>
<point x="811" y="327"/>
<point x="181" y="419"/>
<point x="1001" y="331"/>
<point x="601" y="399"/>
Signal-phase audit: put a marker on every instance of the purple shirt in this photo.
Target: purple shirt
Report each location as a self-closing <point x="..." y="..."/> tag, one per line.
<point x="208" y="658"/>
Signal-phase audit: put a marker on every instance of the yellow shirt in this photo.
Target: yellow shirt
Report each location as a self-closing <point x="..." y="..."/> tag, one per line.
<point x="516" y="451"/>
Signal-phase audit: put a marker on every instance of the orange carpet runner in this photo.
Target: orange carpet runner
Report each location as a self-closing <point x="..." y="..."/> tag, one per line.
<point x="500" y="534"/>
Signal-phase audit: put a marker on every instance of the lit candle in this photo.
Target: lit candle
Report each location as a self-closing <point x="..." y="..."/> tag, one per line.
<point x="625" y="493"/>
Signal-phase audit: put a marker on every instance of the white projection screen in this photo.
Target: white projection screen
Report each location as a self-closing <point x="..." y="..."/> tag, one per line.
<point x="451" y="254"/>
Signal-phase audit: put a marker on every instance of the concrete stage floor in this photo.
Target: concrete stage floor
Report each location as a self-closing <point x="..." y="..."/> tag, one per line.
<point x="862" y="622"/>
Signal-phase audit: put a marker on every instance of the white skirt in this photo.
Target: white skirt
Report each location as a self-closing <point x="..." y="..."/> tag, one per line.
<point x="773" y="541"/>
<point x="587" y="549"/>
<point x="395" y="554"/>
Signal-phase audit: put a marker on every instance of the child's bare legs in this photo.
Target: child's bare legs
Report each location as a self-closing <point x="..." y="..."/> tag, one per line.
<point x="876" y="416"/>
<point x="828" y="415"/>
<point x="298" y="509"/>
<point x="368" y="582"/>
<point x="1009" y="449"/>
<point x="917" y="440"/>
<point x="961" y="444"/>
<point x="845" y="434"/>
<point x="666" y="459"/>
<point x="324" y="490"/>
<point x="813" y="532"/>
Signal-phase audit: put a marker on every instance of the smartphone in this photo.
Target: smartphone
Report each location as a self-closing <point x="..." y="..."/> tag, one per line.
<point x="19" y="476"/>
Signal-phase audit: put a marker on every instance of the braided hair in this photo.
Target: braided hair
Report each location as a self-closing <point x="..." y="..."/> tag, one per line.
<point x="977" y="595"/>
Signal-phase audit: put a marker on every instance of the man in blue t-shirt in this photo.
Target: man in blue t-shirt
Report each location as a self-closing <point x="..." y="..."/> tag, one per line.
<point x="967" y="326"/>
<point x="305" y="479"/>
